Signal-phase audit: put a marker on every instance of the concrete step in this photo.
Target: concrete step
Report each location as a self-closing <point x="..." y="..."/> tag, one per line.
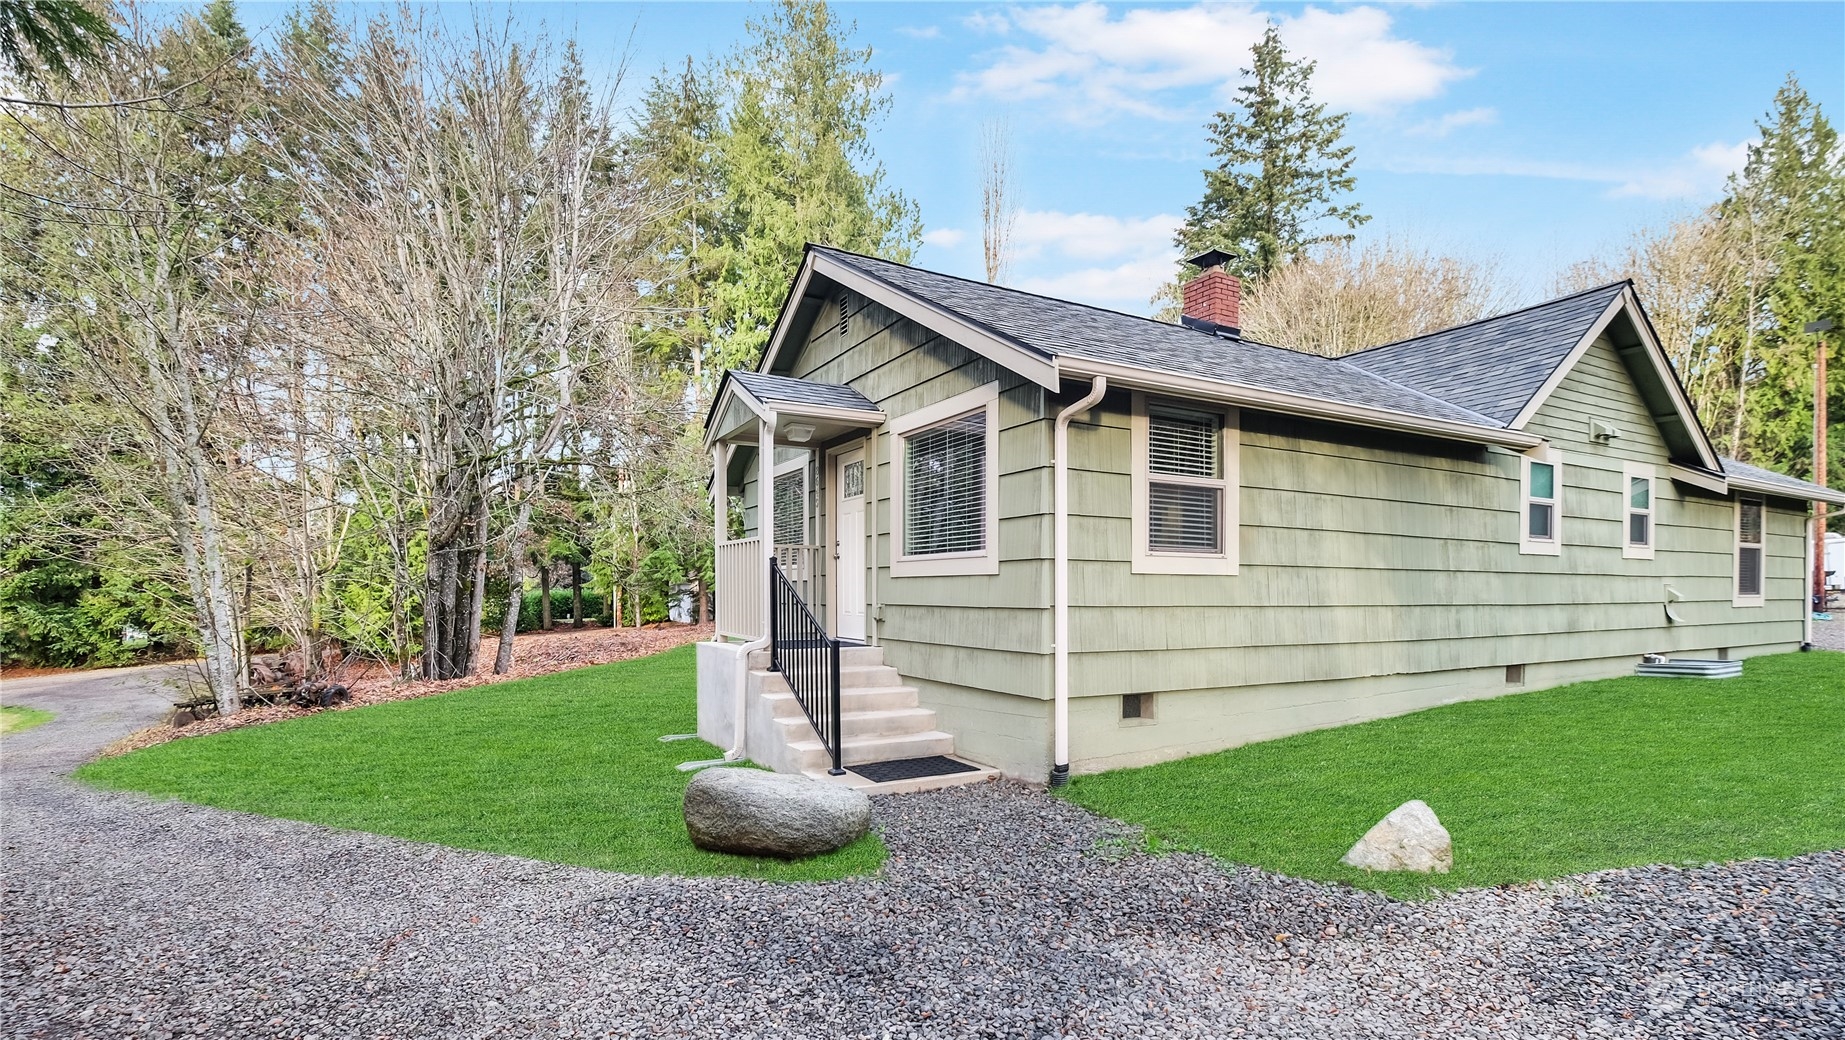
<point x="864" y="725"/>
<point x="858" y="750"/>
<point x="873" y="698"/>
<point x="849" y="656"/>
<point x="924" y="783"/>
<point x="851" y="677"/>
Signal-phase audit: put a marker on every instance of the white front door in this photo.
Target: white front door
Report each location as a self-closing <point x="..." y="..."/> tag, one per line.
<point x="848" y="529"/>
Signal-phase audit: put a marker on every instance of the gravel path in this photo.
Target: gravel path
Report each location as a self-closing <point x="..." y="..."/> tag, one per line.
<point x="1830" y="635"/>
<point x="1002" y="913"/>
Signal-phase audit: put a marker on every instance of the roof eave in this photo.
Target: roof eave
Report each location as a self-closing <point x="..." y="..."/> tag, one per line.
<point x="1803" y="493"/>
<point x="1242" y="395"/>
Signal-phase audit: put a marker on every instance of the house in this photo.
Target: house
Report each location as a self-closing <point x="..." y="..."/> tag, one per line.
<point x="1053" y="538"/>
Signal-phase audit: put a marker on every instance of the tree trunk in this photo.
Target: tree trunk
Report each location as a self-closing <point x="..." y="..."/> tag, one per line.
<point x="544" y="597"/>
<point x="615" y="605"/>
<point x="515" y="573"/>
<point x="515" y="598"/>
<point x="703" y="606"/>
<point x="477" y="598"/>
<point x="576" y="595"/>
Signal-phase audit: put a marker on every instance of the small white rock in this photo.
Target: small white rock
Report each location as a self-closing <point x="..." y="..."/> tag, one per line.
<point x="1409" y="839"/>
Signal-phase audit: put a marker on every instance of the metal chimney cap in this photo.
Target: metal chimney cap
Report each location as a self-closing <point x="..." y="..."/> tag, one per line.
<point x="1822" y="325"/>
<point x="1211" y="258"/>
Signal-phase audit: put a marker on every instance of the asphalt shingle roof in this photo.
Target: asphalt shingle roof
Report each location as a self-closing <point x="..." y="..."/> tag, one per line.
<point x="1496" y="365"/>
<point x="1059" y="328"/>
<point x="1796" y="487"/>
<point x="771" y="389"/>
<point x="1480" y="374"/>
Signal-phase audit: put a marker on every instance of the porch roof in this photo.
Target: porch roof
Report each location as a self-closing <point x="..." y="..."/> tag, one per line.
<point x="807" y="412"/>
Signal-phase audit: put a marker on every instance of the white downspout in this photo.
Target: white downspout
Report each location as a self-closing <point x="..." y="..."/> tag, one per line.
<point x="1060" y="580"/>
<point x="1806" y="582"/>
<point x="765" y="530"/>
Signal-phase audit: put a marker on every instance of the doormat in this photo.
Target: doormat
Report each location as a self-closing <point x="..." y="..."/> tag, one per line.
<point x="912" y="769"/>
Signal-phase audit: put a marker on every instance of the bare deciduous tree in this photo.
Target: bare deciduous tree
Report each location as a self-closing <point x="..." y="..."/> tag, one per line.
<point x="1343" y="298"/>
<point x="999" y="208"/>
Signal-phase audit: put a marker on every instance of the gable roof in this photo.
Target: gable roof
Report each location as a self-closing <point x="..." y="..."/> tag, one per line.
<point x="772" y="389"/>
<point x="1496" y="365"/>
<point x="1055" y="329"/>
<point x="1481" y="382"/>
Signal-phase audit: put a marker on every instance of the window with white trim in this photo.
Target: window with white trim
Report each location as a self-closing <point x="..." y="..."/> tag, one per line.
<point x="791" y="503"/>
<point x="1185" y="502"/>
<point x="1638" y="529"/>
<point x="1541" y="489"/>
<point x="945" y="486"/>
<point x="1751" y="540"/>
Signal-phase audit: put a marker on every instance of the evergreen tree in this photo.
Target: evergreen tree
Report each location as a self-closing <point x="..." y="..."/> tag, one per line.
<point x="1281" y="170"/>
<point x="53" y="39"/>
<point x="786" y="140"/>
<point x="1786" y="212"/>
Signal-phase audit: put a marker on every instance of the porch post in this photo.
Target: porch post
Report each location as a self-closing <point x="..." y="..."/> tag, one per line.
<point x="765" y="506"/>
<point x="720" y="494"/>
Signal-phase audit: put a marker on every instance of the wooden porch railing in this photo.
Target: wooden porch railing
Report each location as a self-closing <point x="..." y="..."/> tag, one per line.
<point x="740" y="578"/>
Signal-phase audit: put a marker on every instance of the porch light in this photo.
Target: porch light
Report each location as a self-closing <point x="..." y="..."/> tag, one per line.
<point x="799" y="432"/>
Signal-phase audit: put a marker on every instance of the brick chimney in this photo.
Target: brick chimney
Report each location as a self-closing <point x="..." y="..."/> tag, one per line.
<point x="1212" y="297"/>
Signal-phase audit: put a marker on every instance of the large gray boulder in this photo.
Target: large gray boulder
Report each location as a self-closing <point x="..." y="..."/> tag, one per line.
<point x="755" y="813"/>
<point x="1409" y="839"/>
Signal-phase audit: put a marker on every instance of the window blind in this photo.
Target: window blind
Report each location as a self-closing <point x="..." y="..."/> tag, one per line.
<point x="1182" y="444"/>
<point x="1184" y="517"/>
<point x="945" y="487"/>
<point x="1749" y="548"/>
<point x="791" y="508"/>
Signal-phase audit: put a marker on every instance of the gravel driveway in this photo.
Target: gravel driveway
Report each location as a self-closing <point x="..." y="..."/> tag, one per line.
<point x="1002" y="913"/>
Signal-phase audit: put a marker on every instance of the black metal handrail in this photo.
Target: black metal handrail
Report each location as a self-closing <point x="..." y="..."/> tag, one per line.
<point x="807" y="658"/>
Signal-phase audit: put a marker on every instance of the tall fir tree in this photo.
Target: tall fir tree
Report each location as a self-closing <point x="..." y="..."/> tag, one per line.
<point x="786" y="139"/>
<point x="1786" y="211"/>
<point x="1282" y="170"/>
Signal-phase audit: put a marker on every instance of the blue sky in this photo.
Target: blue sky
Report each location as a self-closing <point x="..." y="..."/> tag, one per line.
<point x="1533" y="135"/>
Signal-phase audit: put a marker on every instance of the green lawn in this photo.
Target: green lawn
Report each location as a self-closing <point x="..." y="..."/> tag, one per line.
<point x="1597" y="775"/>
<point x="15" y="719"/>
<point x="566" y="767"/>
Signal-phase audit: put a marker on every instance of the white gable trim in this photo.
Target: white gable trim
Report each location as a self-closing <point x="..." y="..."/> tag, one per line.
<point x="995" y="347"/>
<point x="1630" y="304"/>
<point x="1697" y="478"/>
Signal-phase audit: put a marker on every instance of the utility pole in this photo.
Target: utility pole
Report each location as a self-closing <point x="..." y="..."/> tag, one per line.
<point x="1819" y="329"/>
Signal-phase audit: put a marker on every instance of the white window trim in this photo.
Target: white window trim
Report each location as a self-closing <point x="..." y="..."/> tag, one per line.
<point x="1527" y="545"/>
<point x="1737" y="599"/>
<point x="1630" y="472"/>
<point x="1146" y="561"/>
<point x="793" y="466"/>
<point x="985" y="561"/>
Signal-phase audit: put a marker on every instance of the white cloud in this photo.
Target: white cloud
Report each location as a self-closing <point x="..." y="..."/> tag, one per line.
<point x="923" y="32"/>
<point x="1698" y="174"/>
<point x="945" y="238"/>
<point x="1122" y="260"/>
<point x="1099" y="65"/>
<point x="1442" y="126"/>
<point x="994" y="22"/>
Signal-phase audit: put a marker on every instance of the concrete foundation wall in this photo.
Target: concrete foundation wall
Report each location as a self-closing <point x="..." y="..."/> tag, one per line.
<point x="720" y="675"/>
<point x="1193" y="722"/>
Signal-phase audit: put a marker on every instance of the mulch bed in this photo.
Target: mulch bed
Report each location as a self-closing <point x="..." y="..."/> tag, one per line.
<point x="534" y="653"/>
